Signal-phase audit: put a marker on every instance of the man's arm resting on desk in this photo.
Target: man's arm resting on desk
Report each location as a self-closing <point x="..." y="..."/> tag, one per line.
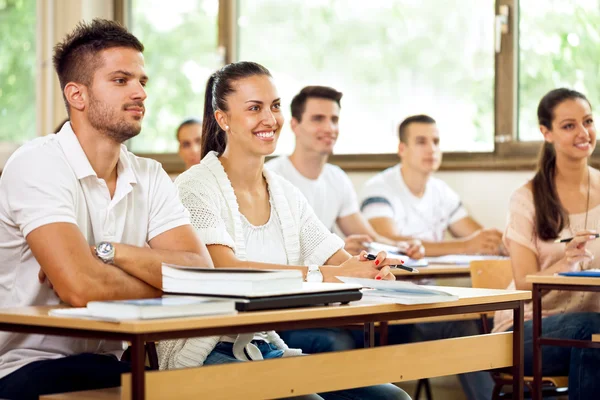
<point x="180" y="246"/>
<point x="76" y="275"/>
<point x="79" y="277"/>
<point x="482" y="241"/>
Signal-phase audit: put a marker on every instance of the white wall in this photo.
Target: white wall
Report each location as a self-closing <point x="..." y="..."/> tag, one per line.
<point x="485" y="194"/>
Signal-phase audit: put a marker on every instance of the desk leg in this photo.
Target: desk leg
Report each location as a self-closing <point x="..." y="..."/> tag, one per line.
<point x="369" y="334"/>
<point x="537" y="348"/>
<point x="383" y="333"/>
<point x="518" y="339"/>
<point x="138" y="370"/>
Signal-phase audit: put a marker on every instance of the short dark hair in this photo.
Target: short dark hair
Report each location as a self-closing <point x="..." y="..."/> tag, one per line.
<point x="189" y="121"/>
<point x="413" y="119"/>
<point x="75" y="57"/>
<point x="321" y="92"/>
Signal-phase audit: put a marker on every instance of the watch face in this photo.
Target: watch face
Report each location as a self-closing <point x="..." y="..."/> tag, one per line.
<point x="104" y="248"/>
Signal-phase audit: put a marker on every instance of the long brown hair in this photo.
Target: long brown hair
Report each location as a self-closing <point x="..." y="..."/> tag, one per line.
<point x="550" y="216"/>
<point x="218" y="87"/>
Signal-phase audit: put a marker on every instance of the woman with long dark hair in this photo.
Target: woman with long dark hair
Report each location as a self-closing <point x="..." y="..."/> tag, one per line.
<point x="251" y="218"/>
<point x="562" y="200"/>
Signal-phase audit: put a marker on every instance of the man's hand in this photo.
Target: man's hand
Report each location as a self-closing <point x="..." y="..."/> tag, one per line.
<point x="354" y="243"/>
<point x="44" y="279"/>
<point x="412" y="248"/>
<point x="484" y="241"/>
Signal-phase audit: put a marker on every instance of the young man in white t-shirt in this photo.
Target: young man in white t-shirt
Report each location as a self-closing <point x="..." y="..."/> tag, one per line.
<point x="329" y="191"/>
<point x="83" y="219"/>
<point x="315" y="118"/>
<point x="407" y="202"/>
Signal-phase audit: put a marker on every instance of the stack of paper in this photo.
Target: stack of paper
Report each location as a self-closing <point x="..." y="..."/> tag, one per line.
<point x="399" y="292"/>
<point x="461" y="259"/>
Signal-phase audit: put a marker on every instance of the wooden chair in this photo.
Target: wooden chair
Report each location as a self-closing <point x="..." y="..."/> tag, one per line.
<point x="497" y="274"/>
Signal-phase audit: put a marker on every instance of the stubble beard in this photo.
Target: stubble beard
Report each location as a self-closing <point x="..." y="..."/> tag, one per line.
<point x="105" y="120"/>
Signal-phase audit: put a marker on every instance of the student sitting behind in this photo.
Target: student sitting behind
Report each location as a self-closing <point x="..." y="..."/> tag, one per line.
<point x="189" y="136"/>
<point x="562" y="200"/>
<point x="252" y="218"/>
<point x="406" y="202"/>
<point x="61" y="194"/>
<point x="315" y="123"/>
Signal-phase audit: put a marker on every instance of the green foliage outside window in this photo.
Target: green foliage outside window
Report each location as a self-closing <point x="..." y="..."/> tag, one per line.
<point x="559" y="47"/>
<point x="180" y="38"/>
<point x="17" y="70"/>
<point x="390" y="58"/>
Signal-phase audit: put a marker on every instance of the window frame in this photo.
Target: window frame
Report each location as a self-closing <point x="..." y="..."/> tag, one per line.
<point x="508" y="154"/>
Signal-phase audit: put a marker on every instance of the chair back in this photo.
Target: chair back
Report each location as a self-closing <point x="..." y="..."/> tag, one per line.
<point x="491" y="274"/>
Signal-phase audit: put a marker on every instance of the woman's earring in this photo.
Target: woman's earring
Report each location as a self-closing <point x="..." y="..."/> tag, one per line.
<point x="226" y="127"/>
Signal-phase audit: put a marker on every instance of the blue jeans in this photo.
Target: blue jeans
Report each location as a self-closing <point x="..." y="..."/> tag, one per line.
<point x="222" y="354"/>
<point x="66" y="374"/>
<point x="581" y="365"/>
<point x="322" y="340"/>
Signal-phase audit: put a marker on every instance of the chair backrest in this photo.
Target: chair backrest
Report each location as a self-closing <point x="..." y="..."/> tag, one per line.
<point x="491" y="274"/>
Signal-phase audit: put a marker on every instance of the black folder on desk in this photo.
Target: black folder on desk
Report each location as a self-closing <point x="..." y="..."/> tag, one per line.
<point x="311" y="294"/>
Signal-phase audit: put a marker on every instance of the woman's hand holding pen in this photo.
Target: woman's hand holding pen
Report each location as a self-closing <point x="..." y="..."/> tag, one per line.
<point x="361" y="267"/>
<point x="575" y="251"/>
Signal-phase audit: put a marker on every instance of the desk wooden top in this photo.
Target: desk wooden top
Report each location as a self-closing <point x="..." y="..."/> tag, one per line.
<point x="562" y="280"/>
<point x="38" y="316"/>
<point x="435" y="270"/>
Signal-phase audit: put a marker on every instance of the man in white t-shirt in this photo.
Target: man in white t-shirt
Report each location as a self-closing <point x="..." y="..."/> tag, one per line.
<point x="315" y="118"/>
<point x="83" y="219"/>
<point x="329" y="191"/>
<point x="406" y="202"/>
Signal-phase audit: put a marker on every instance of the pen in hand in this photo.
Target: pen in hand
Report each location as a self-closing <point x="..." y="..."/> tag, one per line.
<point x="399" y="266"/>
<point x="567" y="240"/>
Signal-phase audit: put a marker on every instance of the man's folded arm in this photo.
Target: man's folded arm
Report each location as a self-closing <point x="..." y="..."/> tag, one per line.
<point x="75" y="273"/>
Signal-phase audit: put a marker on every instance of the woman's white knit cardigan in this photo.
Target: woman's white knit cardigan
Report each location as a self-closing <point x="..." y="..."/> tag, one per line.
<point x="206" y="192"/>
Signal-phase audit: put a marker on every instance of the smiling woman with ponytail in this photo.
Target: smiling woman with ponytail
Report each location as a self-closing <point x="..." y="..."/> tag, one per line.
<point x="561" y="201"/>
<point x="251" y="218"/>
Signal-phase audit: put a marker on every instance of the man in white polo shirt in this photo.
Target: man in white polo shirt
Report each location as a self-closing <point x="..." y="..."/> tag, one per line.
<point x="83" y="219"/>
<point x="407" y="202"/>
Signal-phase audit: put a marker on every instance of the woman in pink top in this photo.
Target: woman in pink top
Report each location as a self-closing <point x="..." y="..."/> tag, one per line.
<point x="562" y="200"/>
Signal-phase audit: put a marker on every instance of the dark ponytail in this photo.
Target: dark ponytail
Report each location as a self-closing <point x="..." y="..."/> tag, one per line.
<point x="218" y="87"/>
<point x="550" y="215"/>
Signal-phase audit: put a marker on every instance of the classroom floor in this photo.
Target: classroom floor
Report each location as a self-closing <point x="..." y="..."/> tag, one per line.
<point x="443" y="388"/>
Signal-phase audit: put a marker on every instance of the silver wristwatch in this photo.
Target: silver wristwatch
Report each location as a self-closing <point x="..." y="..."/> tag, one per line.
<point x="314" y="274"/>
<point x="106" y="252"/>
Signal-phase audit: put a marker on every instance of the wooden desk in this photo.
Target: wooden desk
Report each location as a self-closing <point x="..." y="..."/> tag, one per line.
<point x="556" y="282"/>
<point x="278" y="378"/>
<point x="434" y="271"/>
